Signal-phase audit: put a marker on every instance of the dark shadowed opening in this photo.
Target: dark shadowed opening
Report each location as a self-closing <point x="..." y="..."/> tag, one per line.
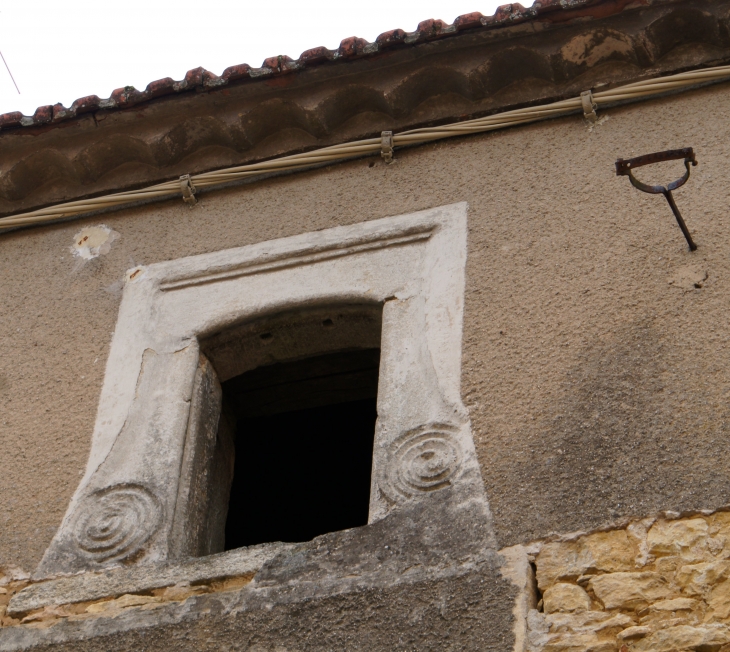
<point x="304" y="447"/>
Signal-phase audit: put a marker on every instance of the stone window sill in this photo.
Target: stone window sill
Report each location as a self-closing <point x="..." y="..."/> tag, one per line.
<point x="113" y="582"/>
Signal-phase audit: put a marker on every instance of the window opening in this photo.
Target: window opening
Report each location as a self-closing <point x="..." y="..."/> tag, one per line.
<point x="161" y="460"/>
<point x="299" y="392"/>
<point x="304" y="447"/>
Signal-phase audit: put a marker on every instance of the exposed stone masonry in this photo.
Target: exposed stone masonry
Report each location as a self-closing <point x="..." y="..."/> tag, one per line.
<point x="109" y="606"/>
<point x="657" y="585"/>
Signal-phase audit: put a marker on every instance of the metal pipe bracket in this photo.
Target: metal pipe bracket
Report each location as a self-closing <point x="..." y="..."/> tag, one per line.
<point x="625" y="167"/>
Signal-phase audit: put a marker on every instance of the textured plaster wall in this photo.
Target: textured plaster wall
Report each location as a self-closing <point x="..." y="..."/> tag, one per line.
<point x="597" y="389"/>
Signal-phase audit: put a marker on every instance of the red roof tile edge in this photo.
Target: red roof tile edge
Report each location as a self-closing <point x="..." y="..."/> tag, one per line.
<point x="352" y="47"/>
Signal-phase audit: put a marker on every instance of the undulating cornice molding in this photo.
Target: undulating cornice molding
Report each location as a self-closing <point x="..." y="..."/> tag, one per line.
<point x="471" y="73"/>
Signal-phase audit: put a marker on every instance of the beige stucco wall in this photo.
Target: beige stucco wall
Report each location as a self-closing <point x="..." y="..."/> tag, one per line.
<point x="597" y="389"/>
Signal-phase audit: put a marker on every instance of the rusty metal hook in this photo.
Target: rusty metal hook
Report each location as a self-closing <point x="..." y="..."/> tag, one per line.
<point x="626" y="167"/>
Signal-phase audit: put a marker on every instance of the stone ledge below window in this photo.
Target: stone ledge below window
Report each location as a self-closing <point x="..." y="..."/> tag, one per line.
<point x="115" y="582"/>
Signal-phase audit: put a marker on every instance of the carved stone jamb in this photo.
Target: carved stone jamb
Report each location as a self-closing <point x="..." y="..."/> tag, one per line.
<point x="142" y="485"/>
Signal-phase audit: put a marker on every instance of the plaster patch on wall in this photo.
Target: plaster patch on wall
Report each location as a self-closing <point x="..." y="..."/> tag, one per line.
<point x="691" y="277"/>
<point x="592" y="125"/>
<point x="93" y="241"/>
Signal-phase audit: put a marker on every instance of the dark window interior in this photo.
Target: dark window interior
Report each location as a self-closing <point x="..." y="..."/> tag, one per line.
<point x="304" y="447"/>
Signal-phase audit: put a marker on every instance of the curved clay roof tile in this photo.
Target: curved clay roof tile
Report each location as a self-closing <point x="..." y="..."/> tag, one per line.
<point x="350" y="48"/>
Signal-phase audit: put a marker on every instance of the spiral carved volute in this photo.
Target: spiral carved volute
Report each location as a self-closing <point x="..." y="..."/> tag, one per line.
<point x="113" y="524"/>
<point x="422" y="460"/>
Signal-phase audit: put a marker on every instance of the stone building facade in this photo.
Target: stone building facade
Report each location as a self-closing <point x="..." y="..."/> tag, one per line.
<point x="546" y="358"/>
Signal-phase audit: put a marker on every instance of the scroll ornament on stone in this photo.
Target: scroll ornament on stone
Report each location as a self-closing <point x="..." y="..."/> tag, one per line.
<point x="113" y="524"/>
<point x="422" y="460"/>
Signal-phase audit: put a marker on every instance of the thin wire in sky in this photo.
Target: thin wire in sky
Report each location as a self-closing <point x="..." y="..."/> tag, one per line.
<point x="9" y="73"/>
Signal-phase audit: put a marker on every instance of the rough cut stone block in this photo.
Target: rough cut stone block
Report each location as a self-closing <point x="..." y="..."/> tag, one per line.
<point x="719" y="601"/>
<point x="669" y="537"/>
<point x="677" y="604"/>
<point x="639" y="631"/>
<point x="587" y="621"/>
<point x="119" y="581"/>
<point x="719" y="523"/>
<point x="611" y="551"/>
<point x="684" y="637"/>
<point x="580" y="643"/>
<point x="566" y="597"/>
<point x="696" y="579"/>
<point x="625" y="590"/>
<point x="558" y="561"/>
<point x="603" y="551"/>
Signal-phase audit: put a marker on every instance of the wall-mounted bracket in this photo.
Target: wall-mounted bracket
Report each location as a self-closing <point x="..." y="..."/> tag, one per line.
<point x="188" y="190"/>
<point x="626" y="167"/>
<point x="589" y="106"/>
<point x="386" y="146"/>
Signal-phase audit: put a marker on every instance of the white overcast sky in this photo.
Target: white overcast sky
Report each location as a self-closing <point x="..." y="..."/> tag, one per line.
<point x="60" y="51"/>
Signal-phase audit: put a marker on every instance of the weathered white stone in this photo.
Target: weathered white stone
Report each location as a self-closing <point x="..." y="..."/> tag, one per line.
<point x="537" y="631"/>
<point x="625" y="590"/>
<point x="118" y="581"/>
<point x="12" y="574"/>
<point x="716" y="544"/>
<point x="182" y="591"/>
<point x="517" y="569"/>
<point x="565" y="597"/>
<point x="412" y="266"/>
<point x="637" y="531"/>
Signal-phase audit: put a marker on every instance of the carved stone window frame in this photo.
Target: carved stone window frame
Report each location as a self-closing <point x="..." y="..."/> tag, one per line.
<point x="125" y="508"/>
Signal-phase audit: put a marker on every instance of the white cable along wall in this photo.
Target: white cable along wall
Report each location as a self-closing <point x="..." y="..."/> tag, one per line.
<point x="187" y="185"/>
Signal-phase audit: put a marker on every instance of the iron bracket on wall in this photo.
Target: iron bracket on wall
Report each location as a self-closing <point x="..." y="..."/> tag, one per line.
<point x="626" y="167"/>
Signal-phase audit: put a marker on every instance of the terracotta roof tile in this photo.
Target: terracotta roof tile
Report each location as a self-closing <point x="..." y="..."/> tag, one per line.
<point x="350" y="48"/>
<point x="391" y="37"/>
<point x="315" y="55"/>
<point x="12" y="119"/>
<point x="234" y="73"/>
<point x="43" y="115"/>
